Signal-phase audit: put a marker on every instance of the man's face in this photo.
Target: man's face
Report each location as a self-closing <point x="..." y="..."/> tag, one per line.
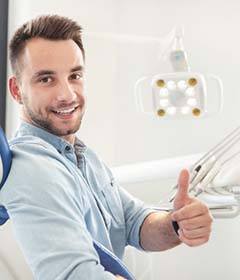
<point x="51" y="85"/>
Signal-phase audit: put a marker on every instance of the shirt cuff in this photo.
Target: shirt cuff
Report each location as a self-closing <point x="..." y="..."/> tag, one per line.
<point x="137" y="230"/>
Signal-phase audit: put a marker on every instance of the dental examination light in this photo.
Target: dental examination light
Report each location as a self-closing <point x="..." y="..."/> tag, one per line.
<point x="181" y="94"/>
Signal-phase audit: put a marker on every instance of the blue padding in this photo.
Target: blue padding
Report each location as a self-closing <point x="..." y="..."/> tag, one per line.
<point x="108" y="260"/>
<point x="112" y="263"/>
<point x="3" y="215"/>
<point x="6" y="159"/>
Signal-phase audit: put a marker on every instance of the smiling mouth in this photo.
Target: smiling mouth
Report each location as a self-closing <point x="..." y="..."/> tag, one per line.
<point x="65" y="112"/>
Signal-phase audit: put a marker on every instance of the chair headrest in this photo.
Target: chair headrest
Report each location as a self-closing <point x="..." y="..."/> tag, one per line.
<point x="6" y="158"/>
<point x="5" y="166"/>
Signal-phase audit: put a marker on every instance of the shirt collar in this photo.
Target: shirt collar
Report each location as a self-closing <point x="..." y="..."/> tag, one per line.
<point x="59" y="143"/>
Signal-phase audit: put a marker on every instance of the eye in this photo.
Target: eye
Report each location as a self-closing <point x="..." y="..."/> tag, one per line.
<point x="76" y="76"/>
<point x="46" y="80"/>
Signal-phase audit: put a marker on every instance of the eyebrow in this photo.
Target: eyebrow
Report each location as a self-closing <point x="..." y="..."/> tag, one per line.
<point x="50" y="72"/>
<point x="77" y="68"/>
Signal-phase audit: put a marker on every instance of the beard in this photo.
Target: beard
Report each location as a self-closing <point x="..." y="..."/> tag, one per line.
<point x="45" y="121"/>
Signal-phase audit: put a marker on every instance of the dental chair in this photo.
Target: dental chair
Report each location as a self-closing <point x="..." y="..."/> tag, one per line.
<point x="108" y="260"/>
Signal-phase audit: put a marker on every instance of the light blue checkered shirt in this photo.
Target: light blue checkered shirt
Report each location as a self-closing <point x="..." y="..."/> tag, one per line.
<point x="62" y="197"/>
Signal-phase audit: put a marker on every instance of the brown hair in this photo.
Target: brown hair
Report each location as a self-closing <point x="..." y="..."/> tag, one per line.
<point x="52" y="27"/>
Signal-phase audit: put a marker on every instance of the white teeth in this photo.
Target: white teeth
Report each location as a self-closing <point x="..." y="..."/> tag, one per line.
<point x="65" y="111"/>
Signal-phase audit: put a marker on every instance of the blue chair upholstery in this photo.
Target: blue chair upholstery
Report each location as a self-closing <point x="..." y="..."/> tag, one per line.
<point x="5" y="165"/>
<point x="108" y="260"/>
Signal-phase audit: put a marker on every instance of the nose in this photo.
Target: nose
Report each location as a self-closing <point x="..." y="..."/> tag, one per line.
<point x="66" y="92"/>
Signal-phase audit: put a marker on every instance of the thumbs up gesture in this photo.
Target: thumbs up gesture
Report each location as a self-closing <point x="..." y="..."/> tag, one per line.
<point x="193" y="216"/>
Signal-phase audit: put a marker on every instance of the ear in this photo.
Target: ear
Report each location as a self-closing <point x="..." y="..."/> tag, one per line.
<point x="14" y="89"/>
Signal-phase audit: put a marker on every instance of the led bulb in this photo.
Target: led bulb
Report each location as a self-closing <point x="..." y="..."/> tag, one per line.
<point x="190" y="91"/>
<point x="171" y="110"/>
<point x="192" y="102"/>
<point x="163" y="92"/>
<point x="185" y="110"/>
<point x="182" y="85"/>
<point x="171" y="85"/>
<point x="164" y="102"/>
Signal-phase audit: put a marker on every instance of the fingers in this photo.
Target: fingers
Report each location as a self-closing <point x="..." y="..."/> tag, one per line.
<point x="192" y="216"/>
<point x="192" y="242"/>
<point x="183" y="182"/>
<point x="182" y="196"/>
<point x="194" y="222"/>
<point x="193" y="209"/>
<point x="196" y="233"/>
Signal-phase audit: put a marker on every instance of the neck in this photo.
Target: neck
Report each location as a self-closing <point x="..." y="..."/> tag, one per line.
<point x="70" y="138"/>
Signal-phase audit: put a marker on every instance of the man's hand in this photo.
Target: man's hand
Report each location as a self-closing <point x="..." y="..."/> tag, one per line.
<point x="192" y="216"/>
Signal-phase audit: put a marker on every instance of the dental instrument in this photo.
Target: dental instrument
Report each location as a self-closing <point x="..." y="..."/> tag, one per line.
<point x="207" y="176"/>
<point x="210" y="160"/>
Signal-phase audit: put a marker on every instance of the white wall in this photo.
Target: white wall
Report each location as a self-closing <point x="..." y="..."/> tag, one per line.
<point x="114" y="66"/>
<point x="114" y="128"/>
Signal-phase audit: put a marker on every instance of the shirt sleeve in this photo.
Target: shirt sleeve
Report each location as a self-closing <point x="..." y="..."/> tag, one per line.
<point x="47" y="218"/>
<point x="135" y="212"/>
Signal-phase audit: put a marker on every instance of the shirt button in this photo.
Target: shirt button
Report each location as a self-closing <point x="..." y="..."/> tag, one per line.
<point x="68" y="148"/>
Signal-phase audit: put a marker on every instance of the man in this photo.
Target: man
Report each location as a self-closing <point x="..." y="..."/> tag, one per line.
<point x="59" y="195"/>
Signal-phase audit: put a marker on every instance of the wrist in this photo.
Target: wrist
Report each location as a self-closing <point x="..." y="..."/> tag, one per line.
<point x="157" y="232"/>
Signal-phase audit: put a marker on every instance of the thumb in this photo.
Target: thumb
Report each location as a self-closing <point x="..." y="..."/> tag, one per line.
<point x="182" y="197"/>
